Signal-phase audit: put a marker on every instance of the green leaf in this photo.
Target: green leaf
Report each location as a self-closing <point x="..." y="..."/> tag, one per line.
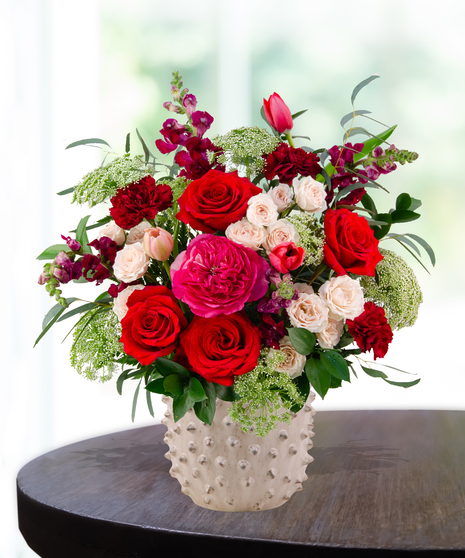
<point x="181" y="405"/>
<point x="297" y="114"/>
<point x="81" y="235"/>
<point x="361" y="85"/>
<point x="166" y="367"/>
<point x="156" y="386"/>
<point x="119" y="382"/>
<point x="405" y="240"/>
<point x="78" y="310"/>
<point x="205" y="409"/>
<point x="67" y="191"/>
<point x="403" y="201"/>
<point x="89" y="141"/>
<point x="403" y="384"/>
<point x="404" y="216"/>
<point x="374" y="142"/>
<point x="52" y="251"/>
<point x="347" y="189"/>
<point x="424" y="245"/>
<point x="382" y="231"/>
<point x="355" y="132"/>
<point x="144" y="146"/>
<point x="226" y="393"/>
<point x="335" y="382"/>
<point x="318" y="376"/>
<point x="304" y="389"/>
<point x="263" y="115"/>
<point x="174" y="385"/>
<point x="148" y="395"/>
<point x="128" y="143"/>
<point x="134" y="401"/>
<point x="335" y="364"/>
<point x="351" y="115"/>
<point x="54" y="311"/>
<point x="368" y="203"/>
<point x="302" y="340"/>
<point x="374" y="373"/>
<point x="415" y="204"/>
<point x="196" y="391"/>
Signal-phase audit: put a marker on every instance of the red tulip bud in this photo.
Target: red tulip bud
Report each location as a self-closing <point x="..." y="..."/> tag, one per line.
<point x="278" y="114"/>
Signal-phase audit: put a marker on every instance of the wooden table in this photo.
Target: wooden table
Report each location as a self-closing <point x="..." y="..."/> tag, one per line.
<point x="383" y="483"/>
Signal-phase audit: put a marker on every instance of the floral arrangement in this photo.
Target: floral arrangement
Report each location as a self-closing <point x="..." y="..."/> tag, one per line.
<point x="248" y="271"/>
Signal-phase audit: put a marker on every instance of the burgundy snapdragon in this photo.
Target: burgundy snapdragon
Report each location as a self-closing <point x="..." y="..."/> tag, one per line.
<point x="73" y="244"/>
<point x="271" y="331"/>
<point x="92" y="265"/>
<point x="107" y="248"/>
<point x="201" y="121"/>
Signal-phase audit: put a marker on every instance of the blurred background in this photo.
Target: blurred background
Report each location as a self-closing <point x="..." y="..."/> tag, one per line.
<point x="101" y="68"/>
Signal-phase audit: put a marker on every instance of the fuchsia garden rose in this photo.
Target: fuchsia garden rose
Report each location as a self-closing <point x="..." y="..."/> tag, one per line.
<point x="278" y="114"/>
<point x="217" y="276"/>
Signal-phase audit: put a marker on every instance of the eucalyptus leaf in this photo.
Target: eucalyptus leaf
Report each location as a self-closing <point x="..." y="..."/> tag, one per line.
<point x="356" y="132"/>
<point x="351" y="115"/>
<point x="144" y="146"/>
<point x="424" y="245"/>
<point x="297" y="114"/>
<point x="361" y="85"/>
<point x="121" y="379"/>
<point x="302" y="340"/>
<point x="374" y="373"/>
<point x="370" y="144"/>
<point x="403" y="384"/>
<point x="407" y="241"/>
<point x="67" y="191"/>
<point x="148" y="396"/>
<point x="134" y="401"/>
<point x="78" y="310"/>
<point x="128" y="143"/>
<point x="54" y="311"/>
<point x="89" y="141"/>
<point x="346" y="191"/>
<point x="318" y="376"/>
<point x="52" y="251"/>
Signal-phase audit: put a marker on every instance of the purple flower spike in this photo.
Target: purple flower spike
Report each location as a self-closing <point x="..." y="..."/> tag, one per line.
<point x="43" y="278"/>
<point x="62" y="258"/>
<point x="189" y="103"/>
<point x="171" y="107"/>
<point x="201" y="121"/>
<point x="74" y="245"/>
<point x="60" y="274"/>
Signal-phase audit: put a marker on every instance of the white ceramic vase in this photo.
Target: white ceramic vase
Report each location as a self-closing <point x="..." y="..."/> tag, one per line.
<point x="225" y="469"/>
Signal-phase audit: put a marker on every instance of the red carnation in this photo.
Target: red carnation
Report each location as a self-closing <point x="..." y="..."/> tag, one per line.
<point x="138" y="201"/>
<point x="287" y="162"/>
<point x="220" y="348"/>
<point x="216" y="200"/>
<point x="152" y="324"/>
<point x="371" y="330"/>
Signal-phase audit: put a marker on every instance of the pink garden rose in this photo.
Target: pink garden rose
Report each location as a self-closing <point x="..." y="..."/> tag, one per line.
<point x="217" y="276"/>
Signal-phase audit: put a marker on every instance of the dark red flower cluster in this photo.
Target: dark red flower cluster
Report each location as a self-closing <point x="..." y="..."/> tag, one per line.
<point x="107" y="248"/>
<point x="287" y="162"/>
<point x="342" y="177"/>
<point x="93" y="269"/>
<point x="195" y="161"/>
<point x="371" y="330"/>
<point x="138" y="201"/>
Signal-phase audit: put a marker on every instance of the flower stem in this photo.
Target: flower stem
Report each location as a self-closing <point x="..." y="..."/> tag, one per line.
<point x="317" y="272"/>
<point x="289" y="139"/>
<point x="167" y="269"/>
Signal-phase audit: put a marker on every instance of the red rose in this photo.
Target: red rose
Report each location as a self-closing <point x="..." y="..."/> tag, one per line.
<point x="220" y="348"/>
<point x="371" y="330"/>
<point x="216" y="200"/>
<point x="350" y="243"/>
<point x="286" y="257"/>
<point x="152" y="324"/>
<point x="287" y="162"/>
<point x="138" y="201"/>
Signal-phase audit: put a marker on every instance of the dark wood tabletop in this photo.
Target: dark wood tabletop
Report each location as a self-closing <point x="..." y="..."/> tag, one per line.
<point x="383" y="483"/>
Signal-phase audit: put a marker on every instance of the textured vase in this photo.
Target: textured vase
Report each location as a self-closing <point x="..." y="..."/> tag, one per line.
<point x="225" y="469"/>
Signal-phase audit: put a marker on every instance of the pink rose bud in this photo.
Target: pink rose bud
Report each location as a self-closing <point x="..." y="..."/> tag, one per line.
<point x="278" y="114"/>
<point x="158" y="244"/>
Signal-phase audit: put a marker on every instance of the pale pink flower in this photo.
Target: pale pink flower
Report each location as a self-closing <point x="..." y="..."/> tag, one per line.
<point x="310" y="195"/>
<point x="282" y="231"/>
<point x="111" y="230"/>
<point x="308" y="312"/>
<point x="120" y="304"/>
<point x="131" y="263"/>
<point x="331" y="335"/>
<point x="136" y="234"/>
<point x="158" y="243"/>
<point x="294" y="363"/>
<point x="262" y="210"/>
<point x="343" y="296"/>
<point x="247" y="234"/>
<point x="282" y="196"/>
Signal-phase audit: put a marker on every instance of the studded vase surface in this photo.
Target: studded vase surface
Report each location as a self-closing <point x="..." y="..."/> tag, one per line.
<point x="222" y="468"/>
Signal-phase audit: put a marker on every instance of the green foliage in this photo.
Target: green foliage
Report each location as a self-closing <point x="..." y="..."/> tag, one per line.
<point x="395" y="288"/>
<point x="302" y="340"/>
<point x="103" y="182"/>
<point x="52" y="251"/>
<point x="96" y="345"/>
<point x="266" y="396"/>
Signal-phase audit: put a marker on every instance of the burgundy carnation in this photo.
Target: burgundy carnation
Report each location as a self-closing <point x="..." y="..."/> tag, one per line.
<point x="371" y="330"/>
<point x="138" y="201"/>
<point x="287" y="162"/>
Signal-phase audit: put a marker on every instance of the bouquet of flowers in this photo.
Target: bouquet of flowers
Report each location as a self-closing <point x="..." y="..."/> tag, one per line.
<point x="247" y="270"/>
